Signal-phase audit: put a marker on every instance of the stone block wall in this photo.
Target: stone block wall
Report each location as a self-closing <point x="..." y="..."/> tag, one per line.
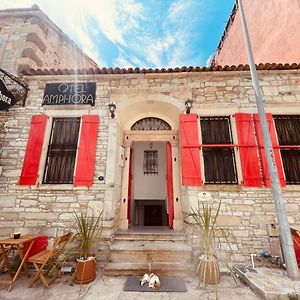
<point x="28" y="39"/>
<point x="246" y="212"/>
<point x="49" y="208"/>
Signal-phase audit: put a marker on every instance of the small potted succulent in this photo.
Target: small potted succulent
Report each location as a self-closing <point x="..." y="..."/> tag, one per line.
<point x="88" y="234"/>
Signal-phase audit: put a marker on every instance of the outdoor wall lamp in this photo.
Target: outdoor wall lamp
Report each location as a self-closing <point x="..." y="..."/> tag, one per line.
<point x="188" y="105"/>
<point x="112" y="108"/>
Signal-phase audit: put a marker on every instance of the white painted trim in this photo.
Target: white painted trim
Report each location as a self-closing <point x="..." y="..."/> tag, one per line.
<point x="43" y="157"/>
<point x="201" y="151"/>
<point x="78" y="141"/>
<point x="236" y="150"/>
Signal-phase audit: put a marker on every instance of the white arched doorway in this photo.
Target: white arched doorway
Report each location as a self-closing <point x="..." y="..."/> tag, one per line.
<point x="150" y="193"/>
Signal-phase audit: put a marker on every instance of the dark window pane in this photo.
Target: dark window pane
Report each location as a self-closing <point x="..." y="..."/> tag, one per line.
<point x="291" y="165"/>
<point x="216" y="130"/>
<point x="62" y="150"/>
<point x="288" y="129"/>
<point x="219" y="165"/>
<point x="288" y="133"/>
<point x="219" y="162"/>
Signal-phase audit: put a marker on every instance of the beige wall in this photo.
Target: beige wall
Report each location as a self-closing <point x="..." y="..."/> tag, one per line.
<point x="149" y="186"/>
<point x="274" y="28"/>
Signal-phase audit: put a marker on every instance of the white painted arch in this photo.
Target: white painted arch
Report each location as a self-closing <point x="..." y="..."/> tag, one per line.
<point x="133" y="107"/>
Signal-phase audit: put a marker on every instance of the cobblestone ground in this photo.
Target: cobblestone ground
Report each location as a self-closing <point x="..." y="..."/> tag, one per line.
<point x="111" y="288"/>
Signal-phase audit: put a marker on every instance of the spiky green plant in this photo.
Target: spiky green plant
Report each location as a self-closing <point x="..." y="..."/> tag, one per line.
<point x="209" y="235"/>
<point x="88" y="231"/>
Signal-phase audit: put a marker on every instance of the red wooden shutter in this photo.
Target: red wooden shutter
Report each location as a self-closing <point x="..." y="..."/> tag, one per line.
<point x="129" y="187"/>
<point x="84" y="172"/>
<point x="33" y="152"/>
<point x="248" y="151"/>
<point x="276" y="151"/>
<point x="170" y="185"/>
<point x="190" y="157"/>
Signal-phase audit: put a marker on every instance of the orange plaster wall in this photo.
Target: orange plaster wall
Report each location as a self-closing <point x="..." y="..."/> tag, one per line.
<point x="274" y="29"/>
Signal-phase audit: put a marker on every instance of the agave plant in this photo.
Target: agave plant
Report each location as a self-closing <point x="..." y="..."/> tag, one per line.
<point x="88" y="232"/>
<point x="210" y="236"/>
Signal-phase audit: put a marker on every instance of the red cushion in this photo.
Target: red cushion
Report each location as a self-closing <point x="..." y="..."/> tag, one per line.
<point x="297" y="249"/>
<point x="39" y="245"/>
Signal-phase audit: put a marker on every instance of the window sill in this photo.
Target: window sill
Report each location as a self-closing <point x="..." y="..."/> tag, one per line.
<point x="291" y="187"/>
<point x="59" y="187"/>
<point x="218" y="187"/>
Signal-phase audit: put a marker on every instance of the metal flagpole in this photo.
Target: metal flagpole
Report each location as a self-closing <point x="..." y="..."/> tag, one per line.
<point x="284" y="228"/>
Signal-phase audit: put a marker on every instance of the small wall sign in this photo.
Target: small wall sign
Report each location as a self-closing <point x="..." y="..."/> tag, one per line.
<point x="71" y="93"/>
<point x="7" y="99"/>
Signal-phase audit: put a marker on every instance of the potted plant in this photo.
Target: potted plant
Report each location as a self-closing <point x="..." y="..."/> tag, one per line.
<point x="88" y="233"/>
<point x="209" y="236"/>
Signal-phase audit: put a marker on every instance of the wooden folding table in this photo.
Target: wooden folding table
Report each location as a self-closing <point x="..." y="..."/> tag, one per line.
<point x="9" y="244"/>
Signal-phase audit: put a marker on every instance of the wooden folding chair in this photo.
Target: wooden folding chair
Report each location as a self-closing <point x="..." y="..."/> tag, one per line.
<point x="45" y="261"/>
<point x="4" y="256"/>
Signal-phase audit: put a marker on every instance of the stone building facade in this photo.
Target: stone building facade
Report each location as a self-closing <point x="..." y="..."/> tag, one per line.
<point x="29" y="39"/>
<point x="217" y="93"/>
<point x="274" y="33"/>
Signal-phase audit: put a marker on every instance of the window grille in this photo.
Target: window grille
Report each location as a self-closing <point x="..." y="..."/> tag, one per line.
<point x="288" y="133"/>
<point x="62" y="150"/>
<point x="150" y="162"/>
<point x="151" y="124"/>
<point x="218" y="151"/>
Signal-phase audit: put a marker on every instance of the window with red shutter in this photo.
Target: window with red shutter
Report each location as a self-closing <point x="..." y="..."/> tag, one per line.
<point x="248" y="150"/>
<point x="62" y="151"/>
<point x="33" y="152"/>
<point x="190" y="157"/>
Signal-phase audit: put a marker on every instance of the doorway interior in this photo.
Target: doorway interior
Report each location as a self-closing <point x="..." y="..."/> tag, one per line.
<point x="149" y="204"/>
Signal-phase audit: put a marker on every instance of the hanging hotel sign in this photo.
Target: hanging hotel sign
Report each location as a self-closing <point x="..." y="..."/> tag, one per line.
<point x="7" y="99"/>
<point x="70" y="93"/>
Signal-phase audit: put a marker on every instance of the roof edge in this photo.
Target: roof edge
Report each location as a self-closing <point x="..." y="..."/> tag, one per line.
<point x="95" y="71"/>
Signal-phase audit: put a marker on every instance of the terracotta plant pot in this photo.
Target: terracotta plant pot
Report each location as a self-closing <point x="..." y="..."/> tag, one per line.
<point x="209" y="271"/>
<point x="85" y="271"/>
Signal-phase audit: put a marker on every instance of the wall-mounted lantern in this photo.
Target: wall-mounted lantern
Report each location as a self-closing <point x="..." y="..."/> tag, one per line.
<point x="188" y="105"/>
<point x="112" y="108"/>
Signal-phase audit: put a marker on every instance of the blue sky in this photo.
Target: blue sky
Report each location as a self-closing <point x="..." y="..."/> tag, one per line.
<point x="139" y="33"/>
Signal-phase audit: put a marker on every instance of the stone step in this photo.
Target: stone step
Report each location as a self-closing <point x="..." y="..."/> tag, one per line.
<point x="148" y="236"/>
<point x="150" y="256"/>
<point x="150" y="245"/>
<point x="149" y="251"/>
<point x="162" y="269"/>
<point x="163" y="250"/>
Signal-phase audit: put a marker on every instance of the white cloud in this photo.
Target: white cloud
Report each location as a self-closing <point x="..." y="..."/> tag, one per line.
<point x="178" y="8"/>
<point x="122" y="62"/>
<point x="115" y="17"/>
<point x="143" y="35"/>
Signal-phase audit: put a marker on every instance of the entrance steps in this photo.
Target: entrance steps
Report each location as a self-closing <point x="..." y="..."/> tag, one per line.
<point x="136" y="252"/>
